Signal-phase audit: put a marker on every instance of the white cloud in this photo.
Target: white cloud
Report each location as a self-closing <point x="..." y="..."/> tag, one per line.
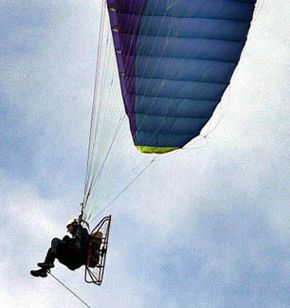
<point x="185" y="208"/>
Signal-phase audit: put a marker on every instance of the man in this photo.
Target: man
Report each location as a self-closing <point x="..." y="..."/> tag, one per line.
<point x="70" y="251"/>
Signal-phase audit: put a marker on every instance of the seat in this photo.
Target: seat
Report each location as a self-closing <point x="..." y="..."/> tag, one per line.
<point x="99" y="238"/>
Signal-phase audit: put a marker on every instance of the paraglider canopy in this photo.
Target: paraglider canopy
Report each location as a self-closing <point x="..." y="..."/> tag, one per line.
<point x="175" y="60"/>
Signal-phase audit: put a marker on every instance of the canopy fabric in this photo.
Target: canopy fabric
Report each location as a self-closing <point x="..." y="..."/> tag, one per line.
<point x="175" y="60"/>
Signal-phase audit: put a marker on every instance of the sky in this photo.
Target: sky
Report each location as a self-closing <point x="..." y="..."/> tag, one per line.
<point x="205" y="227"/>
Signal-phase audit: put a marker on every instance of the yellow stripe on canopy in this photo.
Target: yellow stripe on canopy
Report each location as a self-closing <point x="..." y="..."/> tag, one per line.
<point x="157" y="150"/>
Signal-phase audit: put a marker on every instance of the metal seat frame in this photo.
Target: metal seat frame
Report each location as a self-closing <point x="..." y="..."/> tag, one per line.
<point x="95" y="275"/>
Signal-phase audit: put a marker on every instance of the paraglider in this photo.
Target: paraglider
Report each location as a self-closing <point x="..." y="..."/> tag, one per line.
<point x="175" y="59"/>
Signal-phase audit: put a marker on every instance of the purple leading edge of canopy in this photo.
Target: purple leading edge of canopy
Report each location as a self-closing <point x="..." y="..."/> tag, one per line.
<point x="125" y="17"/>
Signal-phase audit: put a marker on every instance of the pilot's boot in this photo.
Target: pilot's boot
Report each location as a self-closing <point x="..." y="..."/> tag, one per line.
<point x="39" y="273"/>
<point x="45" y="265"/>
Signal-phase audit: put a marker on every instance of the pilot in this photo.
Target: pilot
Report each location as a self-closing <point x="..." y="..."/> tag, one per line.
<point x="72" y="251"/>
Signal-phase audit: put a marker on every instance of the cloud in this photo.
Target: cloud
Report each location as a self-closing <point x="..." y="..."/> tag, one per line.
<point x="201" y="228"/>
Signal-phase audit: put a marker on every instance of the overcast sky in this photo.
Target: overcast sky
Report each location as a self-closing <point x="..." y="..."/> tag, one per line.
<point x="206" y="227"/>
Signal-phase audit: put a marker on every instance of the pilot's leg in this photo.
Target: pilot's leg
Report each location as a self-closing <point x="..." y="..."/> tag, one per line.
<point x="52" y="253"/>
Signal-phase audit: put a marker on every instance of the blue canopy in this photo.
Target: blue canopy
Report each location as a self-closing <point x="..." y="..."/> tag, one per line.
<point x="175" y="60"/>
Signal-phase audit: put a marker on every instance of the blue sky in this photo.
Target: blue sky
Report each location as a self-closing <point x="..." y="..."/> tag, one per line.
<point x="207" y="227"/>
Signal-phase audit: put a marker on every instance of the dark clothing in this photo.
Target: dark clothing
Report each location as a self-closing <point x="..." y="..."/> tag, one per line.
<point x="70" y="251"/>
